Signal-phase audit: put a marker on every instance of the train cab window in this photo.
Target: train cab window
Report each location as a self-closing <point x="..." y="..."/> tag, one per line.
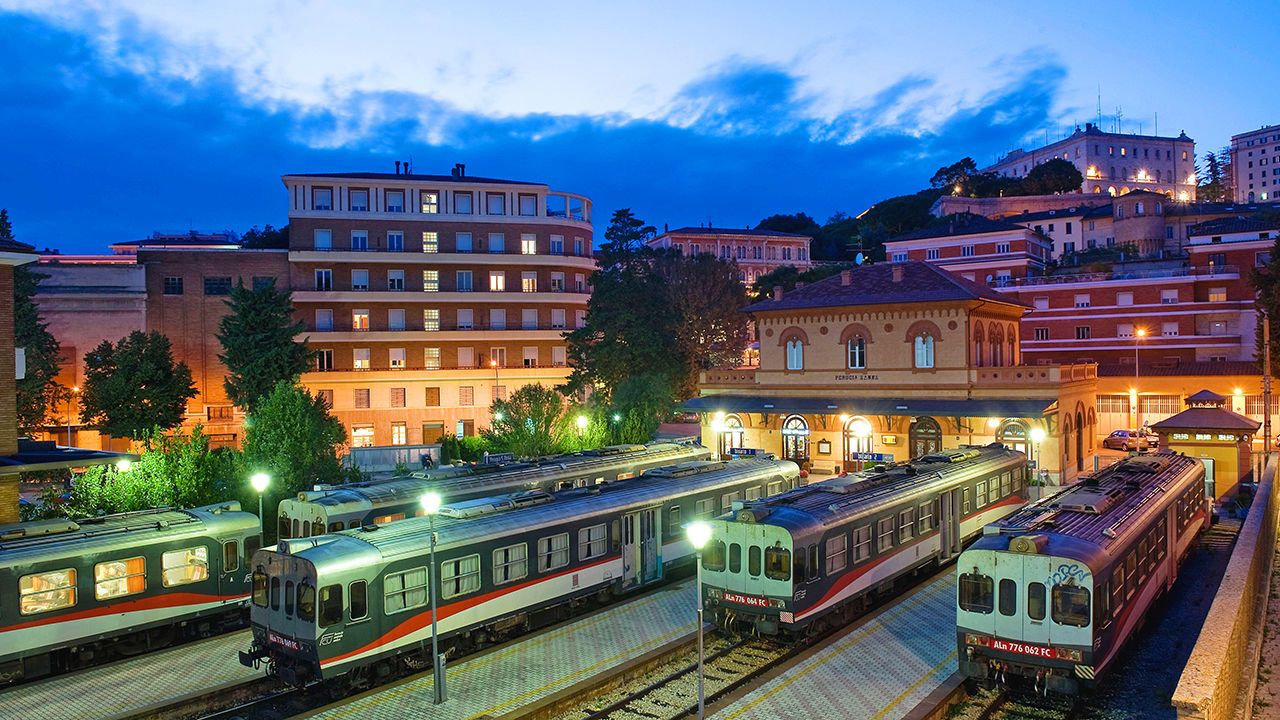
<point x="713" y="556"/>
<point x="330" y="605"/>
<point x="289" y="598"/>
<point x="591" y="542"/>
<point x="117" y="578"/>
<point x="358" y="596"/>
<point x="275" y="593"/>
<point x="335" y="526"/>
<point x="297" y="528"/>
<point x="404" y="590"/>
<point x="861" y="543"/>
<point x="185" y="566"/>
<point x="47" y="591"/>
<point x="976" y="593"/>
<point x="777" y="563"/>
<point x="306" y="528"/>
<point x="462" y="576"/>
<point x="1071" y="605"/>
<point x="735" y="558"/>
<point x="306" y="601"/>
<point x="906" y="525"/>
<point x="230" y="556"/>
<point x="753" y="561"/>
<point x="1008" y="597"/>
<point x="510" y="563"/>
<point x="837" y="553"/>
<point x="259" y="588"/>
<point x="925" y="517"/>
<point x="884" y="534"/>
<point x="553" y="552"/>
<point x="1035" y="601"/>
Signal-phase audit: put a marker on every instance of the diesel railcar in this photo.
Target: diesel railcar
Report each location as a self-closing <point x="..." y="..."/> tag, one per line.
<point x="1049" y="595"/>
<point x="356" y="602"/>
<point x="351" y="506"/>
<point x="74" y="592"/>
<point x="796" y="561"/>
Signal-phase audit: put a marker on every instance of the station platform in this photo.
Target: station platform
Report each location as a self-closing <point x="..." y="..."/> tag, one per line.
<point x="878" y="669"/>
<point x="128" y="687"/>
<point x="493" y="684"/>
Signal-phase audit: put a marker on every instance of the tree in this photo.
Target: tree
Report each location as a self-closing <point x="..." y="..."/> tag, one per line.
<point x="267" y="237"/>
<point x="626" y="233"/>
<point x="799" y="224"/>
<point x="705" y="298"/>
<point x="957" y="173"/>
<point x="292" y="438"/>
<point x="134" y="385"/>
<point x="1052" y="176"/>
<point x="528" y="423"/>
<point x="787" y="276"/>
<point x="637" y="406"/>
<point x="38" y="393"/>
<point x="258" y="343"/>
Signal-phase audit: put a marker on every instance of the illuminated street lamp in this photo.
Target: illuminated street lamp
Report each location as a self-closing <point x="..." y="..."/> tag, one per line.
<point x="260" y="481"/>
<point x="1037" y="436"/>
<point x="699" y="533"/>
<point x="124" y="465"/>
<point x="431" y="505"/>
<point x="71" y="399"/>
<point x="581" y="422"/>
<point x="1138" y="334"/>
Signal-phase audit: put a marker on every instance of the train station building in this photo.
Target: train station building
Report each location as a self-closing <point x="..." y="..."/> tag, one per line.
<point x="893" y="361"/>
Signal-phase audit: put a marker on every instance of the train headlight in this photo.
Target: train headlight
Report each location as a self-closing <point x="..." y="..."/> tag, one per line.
<point x="977" y="640"/>
<point x="1069" y="654"/>
<point x="714" y="593"/>
<point x="778" y="603"/>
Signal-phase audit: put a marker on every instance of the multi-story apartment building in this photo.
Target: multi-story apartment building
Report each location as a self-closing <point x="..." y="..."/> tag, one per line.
<point x="757" y="252"/>
<point x="426" y="297"/>
<point x="1115" y="163"/>
<point x="1255" y="164"/>
<point x="992" y="252"/>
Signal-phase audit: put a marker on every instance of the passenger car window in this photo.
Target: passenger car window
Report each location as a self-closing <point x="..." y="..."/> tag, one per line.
<point x="117" y="578"/>
<point x="186" y="566"/>
<point x="1071" y="605"/>
<point x="405" y="590"/>
<point x="230" y="556"/>
<point x="713" y="556"/>
<point x="976" y="593"/>
<point x="1035" y="601"/>
<point x="462" y="576"/>
<point x="47" y="591"/>
<point x="358" y="591"/>
<point x="330" y="605"/>
<point x="510" y="563"/>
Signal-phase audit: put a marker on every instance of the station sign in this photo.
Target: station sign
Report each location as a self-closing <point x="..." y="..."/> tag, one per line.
<point x="745" y="452"/>
<point x="871" y="457"/>
<point x="498" y="458"/>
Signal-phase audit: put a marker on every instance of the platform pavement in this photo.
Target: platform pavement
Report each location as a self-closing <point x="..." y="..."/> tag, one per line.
<point x="131" y="685"/>
<point x="493" y="684"/>
<point x="879" y="670"/>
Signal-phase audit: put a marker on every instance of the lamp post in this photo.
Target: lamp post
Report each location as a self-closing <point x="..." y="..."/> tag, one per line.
<point x="581" y="422"/>
<point x="431" y="506"/>
<point x="717" y="429"/>
<point x="493" y="363"/>
<point x="71" y="399"/>
<point x="1037" y="437"/>
<point x="699" y="533"/>
<point x="1138" y="334"/>
<point x="260" y="481"/>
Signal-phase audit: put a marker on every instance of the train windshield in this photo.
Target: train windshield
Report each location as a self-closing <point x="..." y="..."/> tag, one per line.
<point x="777" y="563"/>
<point x="976" y="593"/>
<point x="713" y="556"/>
<point x="306" y="601"/>
<point x="259" y="588"/>
<point x="1071" y="605"/>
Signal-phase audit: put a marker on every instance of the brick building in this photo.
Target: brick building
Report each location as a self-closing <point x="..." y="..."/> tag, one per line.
<point x="757" y="252"/>
<point x="993" y="252"/>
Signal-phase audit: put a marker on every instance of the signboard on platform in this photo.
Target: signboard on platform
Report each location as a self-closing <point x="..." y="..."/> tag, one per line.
<point x="871" y="457"/>
<point x="749" y="452"/>
<point x="498" y="458"/>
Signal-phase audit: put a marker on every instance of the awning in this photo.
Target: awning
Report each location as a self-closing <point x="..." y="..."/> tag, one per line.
<point x="35" y="455"/>
<point x="986" y="407"/>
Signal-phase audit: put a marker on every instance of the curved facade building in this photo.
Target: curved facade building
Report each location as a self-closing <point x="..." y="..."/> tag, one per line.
<point x="428" y="296"/>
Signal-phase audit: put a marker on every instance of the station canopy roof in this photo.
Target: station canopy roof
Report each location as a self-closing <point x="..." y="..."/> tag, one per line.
<point x="35" y="455"/>
<point x="973" y="407"/>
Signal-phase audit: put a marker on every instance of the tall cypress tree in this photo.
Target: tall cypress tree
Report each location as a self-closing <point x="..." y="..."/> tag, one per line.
<point x="259" y="345"/>
<point x="37" y="392"/>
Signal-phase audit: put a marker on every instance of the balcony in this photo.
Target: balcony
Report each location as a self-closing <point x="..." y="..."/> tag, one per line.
<point x="1034" y="374"/>
<point x="729" y="377"/>
<point x="449" y="327"/>
<point x="1224" y="272"/>
<point x="505" y="372"/>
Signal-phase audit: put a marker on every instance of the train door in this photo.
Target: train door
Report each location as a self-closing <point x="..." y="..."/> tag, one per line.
<point x="641" y="558"/>
<point x="949" y="517"/>
<point x="650" y="545"/>
<point x="1037" y="576"/>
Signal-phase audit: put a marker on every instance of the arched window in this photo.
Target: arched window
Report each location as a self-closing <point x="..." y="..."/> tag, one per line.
<point x="795" y="354"/>
<point x="925" y="437"/>
<point x="857" y="353"/>
<point x="1013" y="434"/>
<point x="1012" y="357"/>
<point x="924" y="350"/>
<point x="977" y="346"/>
<point x="1111" y="190"/>
<point x="795" y="439"/>
<point x="732" y="436"/>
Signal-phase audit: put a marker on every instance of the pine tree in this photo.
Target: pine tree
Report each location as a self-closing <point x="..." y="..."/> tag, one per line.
<point x="258" y="343"/>
<point x="38" y="392"/>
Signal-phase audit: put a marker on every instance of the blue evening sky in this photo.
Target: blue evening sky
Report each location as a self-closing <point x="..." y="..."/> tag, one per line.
<point x="121" y="118"/>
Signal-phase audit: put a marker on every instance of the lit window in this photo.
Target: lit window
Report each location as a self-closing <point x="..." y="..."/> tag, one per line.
<point x="431" y="319"/>
<point x="399" y="433"/>
<point x="497" y="281"/>
<point x="430" y="281"/>
<point x="360" y="358"/>
<point x="857" y="353"/>
<point x="47" y="591"/>
<point x="528" y="281"/>
<point x="359" y="319"/>
<point x="528" y="244"/>
<point x="184" y="567"/>
<point x="430" y="242"/>
<point x="431" y="358"/>
<point x="430" y="201"/>
<point x="396" y="358"/>
<point x="362" y="436"/>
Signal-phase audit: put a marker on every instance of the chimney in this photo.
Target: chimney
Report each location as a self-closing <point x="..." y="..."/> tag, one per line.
<point x="455" y="171"/>
<point x="462" y="170"/>
<point x="897" y="273"/>
<point x="846" y="277"/>
<point x="397" y="167"/>
<point x="777" y="292"/>
<point x="406" y="167"/>
<point x="666" y="227"/>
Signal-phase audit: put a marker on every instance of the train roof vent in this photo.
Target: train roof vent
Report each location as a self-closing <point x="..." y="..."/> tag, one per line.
<point x="753" y="513"/>
<point x="952" y="457"/>
<point x="292" y="546"/>
<point x="37" y="528"/>
<point x="685" y="469"/>
<point x="490" y="505"/>
<point x="615" y="450"/>
<point x="1028" y="544"/>
<point x="1152" y="463"/>
<point x="1088" y="500"/>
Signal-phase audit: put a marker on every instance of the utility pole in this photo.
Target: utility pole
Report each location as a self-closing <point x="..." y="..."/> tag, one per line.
<point x="1266" y="384"/>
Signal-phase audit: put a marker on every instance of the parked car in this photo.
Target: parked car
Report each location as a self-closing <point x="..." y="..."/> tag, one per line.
<point x="1153" y="440"/>
<point x="1126" y="440"/>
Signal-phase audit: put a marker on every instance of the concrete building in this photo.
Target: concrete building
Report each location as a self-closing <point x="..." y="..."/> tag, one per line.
<point x="1115" y="163"/>
<point x="757" y="252"/>
<point x="426" y="297"/>
<point x="1254" y="167"/>
<point x="991" y="252"/>
<point x="893" y="361"/>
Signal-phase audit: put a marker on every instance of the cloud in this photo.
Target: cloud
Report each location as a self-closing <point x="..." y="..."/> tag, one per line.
<point x="109" y="151"/>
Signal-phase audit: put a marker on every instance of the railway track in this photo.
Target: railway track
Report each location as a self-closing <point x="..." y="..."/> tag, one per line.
<point x="1014" y="705"/>
<point x="670" y="689"/>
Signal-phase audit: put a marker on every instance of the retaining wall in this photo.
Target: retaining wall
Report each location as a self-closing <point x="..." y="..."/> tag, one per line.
<point x="1218" y="677"/>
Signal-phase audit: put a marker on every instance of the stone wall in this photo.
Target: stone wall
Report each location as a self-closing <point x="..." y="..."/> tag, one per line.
<point x="1225" y="655"/>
